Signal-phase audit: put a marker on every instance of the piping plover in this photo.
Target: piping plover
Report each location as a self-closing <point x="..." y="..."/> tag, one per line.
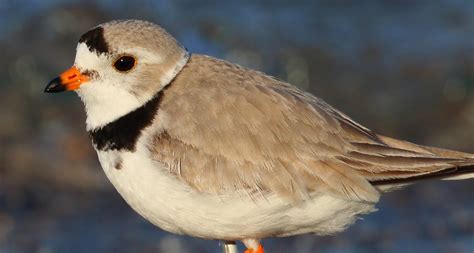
<point x="207" y="148"/>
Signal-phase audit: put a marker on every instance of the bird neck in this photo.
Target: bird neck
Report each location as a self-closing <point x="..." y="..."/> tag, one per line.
<point x="123" y="133"/>
<point x="105" y="104"/>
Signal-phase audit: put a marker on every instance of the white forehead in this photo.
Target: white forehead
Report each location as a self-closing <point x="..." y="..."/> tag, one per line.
<point x="85" y="59"/>
<point x="90" y="60"/>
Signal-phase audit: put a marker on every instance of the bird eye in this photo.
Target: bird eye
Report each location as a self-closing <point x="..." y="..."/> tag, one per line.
<point x="125" y="63"/>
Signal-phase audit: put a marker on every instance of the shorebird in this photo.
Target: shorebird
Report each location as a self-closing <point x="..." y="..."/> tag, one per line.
<point x="207" y="148"/>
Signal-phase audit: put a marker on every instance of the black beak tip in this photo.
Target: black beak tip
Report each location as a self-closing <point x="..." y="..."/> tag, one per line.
<point x="54" y="86"/>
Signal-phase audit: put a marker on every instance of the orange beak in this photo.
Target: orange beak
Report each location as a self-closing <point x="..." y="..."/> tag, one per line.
<point x="70" y="79"/>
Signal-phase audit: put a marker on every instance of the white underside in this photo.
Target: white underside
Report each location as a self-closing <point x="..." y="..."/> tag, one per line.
<point x="167" y="202"/>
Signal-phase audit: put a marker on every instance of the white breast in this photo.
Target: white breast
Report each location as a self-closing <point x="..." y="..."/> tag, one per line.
<point x="167" y="202"/>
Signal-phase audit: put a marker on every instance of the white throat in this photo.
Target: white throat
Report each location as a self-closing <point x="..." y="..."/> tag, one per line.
<point x="105" y="102"/>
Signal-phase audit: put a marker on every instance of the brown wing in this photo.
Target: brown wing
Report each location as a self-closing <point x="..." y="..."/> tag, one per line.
<point x="227" y="128"/>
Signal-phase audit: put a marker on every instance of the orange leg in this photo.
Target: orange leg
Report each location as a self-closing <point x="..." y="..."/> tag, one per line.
<point x="258" y="250"/>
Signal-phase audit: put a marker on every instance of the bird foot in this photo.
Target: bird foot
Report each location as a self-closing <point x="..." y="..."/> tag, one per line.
<point x="258" y="250"/>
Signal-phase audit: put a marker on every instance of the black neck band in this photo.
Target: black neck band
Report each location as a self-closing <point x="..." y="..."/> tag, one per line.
<point x="123" y="133"/>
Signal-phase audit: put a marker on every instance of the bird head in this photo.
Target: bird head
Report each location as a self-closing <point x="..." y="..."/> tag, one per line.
<point x="119" y="66"/>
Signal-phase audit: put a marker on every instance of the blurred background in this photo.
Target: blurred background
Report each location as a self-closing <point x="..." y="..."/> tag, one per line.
<point x="404" y="68"/>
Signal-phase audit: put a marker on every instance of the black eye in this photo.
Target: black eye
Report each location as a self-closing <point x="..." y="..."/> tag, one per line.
<point x="125" y="63"/>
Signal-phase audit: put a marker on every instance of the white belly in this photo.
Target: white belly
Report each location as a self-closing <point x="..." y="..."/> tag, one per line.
<point x="173" y="206"/>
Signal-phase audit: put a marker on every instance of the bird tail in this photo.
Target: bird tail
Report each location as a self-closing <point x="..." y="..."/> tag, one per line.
<point x="431" y="163"/>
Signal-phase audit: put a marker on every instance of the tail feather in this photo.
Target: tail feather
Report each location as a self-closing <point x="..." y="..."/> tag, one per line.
<point x="393" y="162"/>
<point x="453" y="173"/>
<point x="438" y="152"/>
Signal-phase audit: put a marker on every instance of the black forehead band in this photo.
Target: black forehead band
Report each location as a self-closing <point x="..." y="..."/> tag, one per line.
<point x="95" y="40"/>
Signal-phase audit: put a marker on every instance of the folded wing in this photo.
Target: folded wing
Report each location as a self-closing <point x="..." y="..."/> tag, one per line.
<point x="232" y="129"/>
